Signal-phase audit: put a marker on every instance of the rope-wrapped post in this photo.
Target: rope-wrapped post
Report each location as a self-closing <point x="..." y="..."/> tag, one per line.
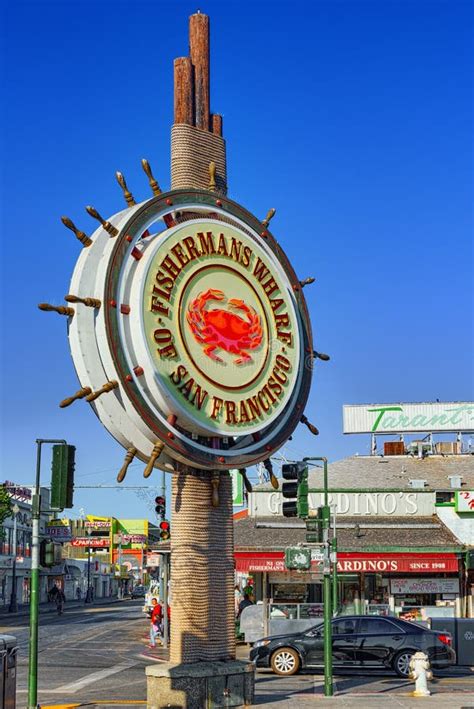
<point x="202" y="570"/>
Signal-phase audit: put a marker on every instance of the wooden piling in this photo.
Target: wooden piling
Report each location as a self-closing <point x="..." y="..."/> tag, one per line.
<point x="199" y="52"/>
<point x="183" y="91"/>
<point x="216" y="123"/>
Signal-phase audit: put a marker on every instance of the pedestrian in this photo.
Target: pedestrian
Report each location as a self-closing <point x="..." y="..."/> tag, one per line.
<point x="244" y="603"/>
<point x="60" y="599"/>
<point x="78" y="593"/>
<point x="156" y="620"/>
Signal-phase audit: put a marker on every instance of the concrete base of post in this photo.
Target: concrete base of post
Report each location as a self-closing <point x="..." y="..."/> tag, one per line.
<point x="200" y="684"/>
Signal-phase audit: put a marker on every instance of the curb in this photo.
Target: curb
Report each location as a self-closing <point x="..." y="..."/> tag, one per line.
<point x="108" y="702"/>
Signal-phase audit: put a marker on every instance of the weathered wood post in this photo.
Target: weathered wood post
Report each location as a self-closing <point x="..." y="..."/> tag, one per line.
<point x="202" y="559"/>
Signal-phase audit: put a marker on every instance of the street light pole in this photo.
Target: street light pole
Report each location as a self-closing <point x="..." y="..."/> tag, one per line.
<point x="88" y="592"/>
<point x="35" y="590"/>
<point x="13" y="607"/>
<point x="326" y="520"/>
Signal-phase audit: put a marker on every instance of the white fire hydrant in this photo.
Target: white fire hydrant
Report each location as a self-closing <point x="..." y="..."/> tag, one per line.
<point x="420" y="671"/>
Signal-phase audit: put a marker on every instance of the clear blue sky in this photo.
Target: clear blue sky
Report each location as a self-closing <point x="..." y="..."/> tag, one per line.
<point x="353" y="119"/>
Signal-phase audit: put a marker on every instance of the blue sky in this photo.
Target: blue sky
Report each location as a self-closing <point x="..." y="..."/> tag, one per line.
<point x="353" y="119"/>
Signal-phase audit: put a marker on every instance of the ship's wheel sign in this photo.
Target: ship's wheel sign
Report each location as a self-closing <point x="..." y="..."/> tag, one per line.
<point x="189" y="334"/>
<point x="221" y="327"/>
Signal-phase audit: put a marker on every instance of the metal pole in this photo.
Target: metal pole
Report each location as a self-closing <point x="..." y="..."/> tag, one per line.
<point x="34" y="596"/>
<point x="162" y="556"/>
<point x="120" y="588"/>
<point x="165" y="601"/>
<point x="335" y="598"/>
<point x="328" y="686"/>
<point x="326" y="521"/>
<point x="265" y="603"/>
<point x="13" y="607"/>
<point x="88" y="592"/>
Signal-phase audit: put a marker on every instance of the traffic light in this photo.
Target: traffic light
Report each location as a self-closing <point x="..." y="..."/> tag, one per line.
<point x="164" y="530"/>
<point x="62" y="479"/>
<point x="160" y="508"/>
<point x="298" y="473"/>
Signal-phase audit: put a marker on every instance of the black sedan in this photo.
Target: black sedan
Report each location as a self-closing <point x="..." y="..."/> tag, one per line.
<point x="363" y="642"/>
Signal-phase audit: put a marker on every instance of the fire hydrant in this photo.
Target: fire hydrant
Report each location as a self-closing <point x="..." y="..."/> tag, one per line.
<point x="420" y="671"/>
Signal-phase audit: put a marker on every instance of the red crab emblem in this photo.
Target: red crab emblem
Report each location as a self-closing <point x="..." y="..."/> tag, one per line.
<point x="222" y="329"/>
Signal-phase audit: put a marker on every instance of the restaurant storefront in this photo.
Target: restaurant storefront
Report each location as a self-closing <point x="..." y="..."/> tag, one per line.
<point x="411" y="584"/>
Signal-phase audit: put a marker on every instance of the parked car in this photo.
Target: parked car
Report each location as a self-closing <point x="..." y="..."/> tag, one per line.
<point x="357" y="641"/>
<point x="138" y="592"/>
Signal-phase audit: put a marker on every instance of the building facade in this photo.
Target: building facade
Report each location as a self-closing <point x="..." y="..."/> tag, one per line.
<point x="404" y="527"/>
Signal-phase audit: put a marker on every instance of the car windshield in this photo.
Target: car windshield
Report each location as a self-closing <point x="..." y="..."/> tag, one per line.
<point x="315" y="629"/>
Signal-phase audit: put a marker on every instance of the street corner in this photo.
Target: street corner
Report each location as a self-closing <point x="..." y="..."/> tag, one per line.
<point x="58" y="706"/>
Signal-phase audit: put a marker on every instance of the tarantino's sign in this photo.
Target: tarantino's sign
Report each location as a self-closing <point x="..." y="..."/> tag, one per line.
<point x="397" y="418"/>
<point x="221" y="327"/>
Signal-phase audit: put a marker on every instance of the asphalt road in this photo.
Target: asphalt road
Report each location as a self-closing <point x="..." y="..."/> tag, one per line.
<point x="87" y="654"/>
<point x="95" y="654"/>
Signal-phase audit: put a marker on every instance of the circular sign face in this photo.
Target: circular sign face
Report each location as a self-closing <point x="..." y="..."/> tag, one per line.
<point x="220" y="327"/>
<point x="201" y="349"/>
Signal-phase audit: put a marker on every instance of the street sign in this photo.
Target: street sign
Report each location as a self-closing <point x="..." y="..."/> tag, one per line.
<point x="317" y="555"/>
<point x="298" y="558"/>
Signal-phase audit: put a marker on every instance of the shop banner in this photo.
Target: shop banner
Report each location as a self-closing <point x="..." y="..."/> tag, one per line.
<point x="92" y="542"/>
<point x="396" y="563"/>
<point x="355" y="563"/>
<point x="409" y="586"/>
<point x="260" y="561"/>
<point x="59" y="532"/>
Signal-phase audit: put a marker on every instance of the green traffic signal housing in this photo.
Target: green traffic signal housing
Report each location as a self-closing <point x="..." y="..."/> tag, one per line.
<point x="50" y="553"/>
<point x="298" y="473"/>
<point x="62" y="479"/>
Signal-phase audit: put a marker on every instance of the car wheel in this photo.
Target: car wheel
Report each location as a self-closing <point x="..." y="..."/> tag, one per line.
<point x="401" y="663"/>
<point x="285" y="661"/>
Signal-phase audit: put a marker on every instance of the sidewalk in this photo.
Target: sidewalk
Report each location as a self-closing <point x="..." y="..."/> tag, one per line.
<point x="24" y="610"/>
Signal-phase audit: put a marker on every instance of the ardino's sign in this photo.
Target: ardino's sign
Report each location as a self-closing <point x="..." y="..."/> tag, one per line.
<point x="220" y="325"/>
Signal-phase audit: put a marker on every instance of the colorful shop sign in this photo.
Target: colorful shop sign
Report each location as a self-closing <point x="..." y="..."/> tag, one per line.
<point x="410" y="418"/>
<point x="90" y="542"/>
<point x="98" y="524"/>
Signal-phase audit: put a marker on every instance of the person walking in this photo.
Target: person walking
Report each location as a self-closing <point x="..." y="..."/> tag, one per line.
<point x="156" y="621"/>
<point x="60" y="600"/>
<point x="244" y="603"/>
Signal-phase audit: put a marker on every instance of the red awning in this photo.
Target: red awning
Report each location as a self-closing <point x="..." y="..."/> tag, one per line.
<point x="355" y="562"/>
